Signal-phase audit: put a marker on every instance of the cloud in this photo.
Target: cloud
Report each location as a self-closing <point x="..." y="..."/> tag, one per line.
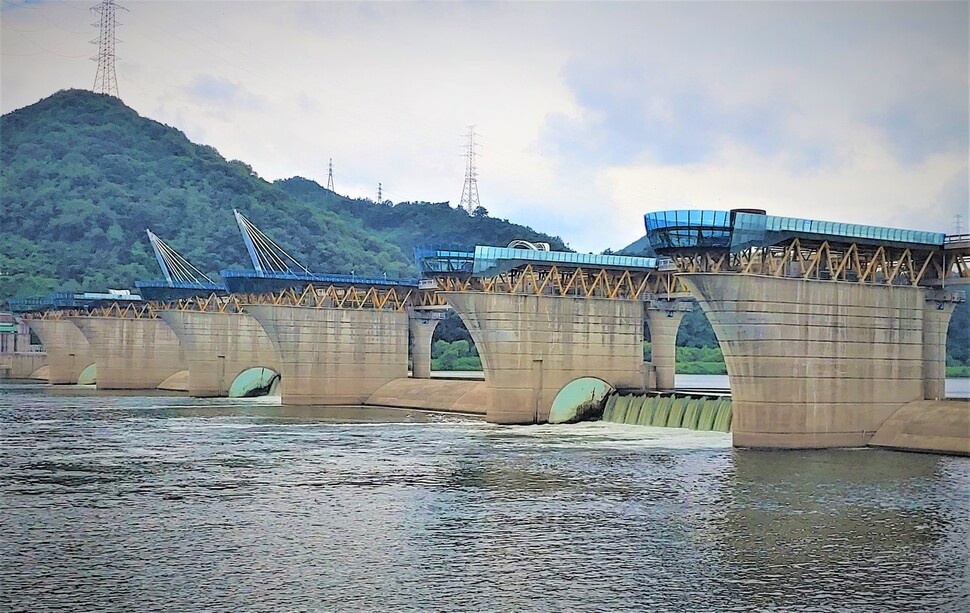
<point x="219" y="91"/>
<point x="629" y="112"/>
<point x="589" y="114"/>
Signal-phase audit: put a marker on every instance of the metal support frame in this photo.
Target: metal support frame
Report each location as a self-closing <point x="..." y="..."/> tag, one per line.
<point x="825" y="261"/>
<point x="558" y="281"/>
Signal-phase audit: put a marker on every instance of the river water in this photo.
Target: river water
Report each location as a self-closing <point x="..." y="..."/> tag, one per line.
<point x="151" y="503"/>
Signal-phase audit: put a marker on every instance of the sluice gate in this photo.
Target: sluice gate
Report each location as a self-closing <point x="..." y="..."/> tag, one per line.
<point x="670" y="411"/>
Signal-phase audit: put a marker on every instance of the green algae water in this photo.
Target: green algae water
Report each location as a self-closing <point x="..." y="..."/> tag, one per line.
<point x="118" y="503"/>
<point x="670" y="411"/>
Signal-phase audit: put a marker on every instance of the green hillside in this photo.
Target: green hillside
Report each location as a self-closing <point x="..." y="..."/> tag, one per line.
<point x="401" y="224"/>
<point x="83" y="176"/>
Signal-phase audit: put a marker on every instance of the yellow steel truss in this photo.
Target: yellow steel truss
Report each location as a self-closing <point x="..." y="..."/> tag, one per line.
<point x="882" y="265"/>
<point x="141" y="310"/>
<point x="555" y="281"/>
<point x="335" y="297"/>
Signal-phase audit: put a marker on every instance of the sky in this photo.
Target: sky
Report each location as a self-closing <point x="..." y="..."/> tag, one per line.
<point x="587" y="114"/>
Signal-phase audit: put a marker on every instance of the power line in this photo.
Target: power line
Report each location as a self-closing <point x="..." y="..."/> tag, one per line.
<point x="469" y="192"/>
<point x="105" y="79"/>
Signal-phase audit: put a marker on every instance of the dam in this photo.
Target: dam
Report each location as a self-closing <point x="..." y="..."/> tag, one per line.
<point x="829" y="330"/>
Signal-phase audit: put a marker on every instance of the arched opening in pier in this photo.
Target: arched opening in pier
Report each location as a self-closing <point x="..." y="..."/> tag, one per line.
<point x="257" y="381"/>
<point x="698" y="355"/>
<point x="176" y="382"/>
<point x="958" y="342"/>
<point x="683" y="350"/>
<point x="88" y="376"/>
<point x="580" y="400"/>
<point x="452" y="347"/>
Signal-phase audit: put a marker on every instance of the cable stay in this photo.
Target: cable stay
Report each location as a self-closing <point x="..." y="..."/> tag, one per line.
<point x="177" y="269"/>
<point x="267" y="256"/>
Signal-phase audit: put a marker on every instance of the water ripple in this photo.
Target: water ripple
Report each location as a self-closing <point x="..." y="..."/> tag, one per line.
<point x="131" y="503"/>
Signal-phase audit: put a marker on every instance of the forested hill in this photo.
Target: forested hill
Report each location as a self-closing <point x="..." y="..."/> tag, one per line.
<point x="404" y="223"/>
<point x="83" y="176"/>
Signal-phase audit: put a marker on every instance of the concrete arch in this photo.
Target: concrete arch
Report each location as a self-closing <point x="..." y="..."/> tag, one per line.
<point x="88" y="375"/>
<point x="255" y="381"/>
<point x="821" y="363"/>
<point x="579" y="400"/>
<point x="41" y="374"/>
<point x="532" y="346"/>
<point x="219" y="347"/>
<point x="131" y="354"/>
<point x="176" y="382"/>
<point x="68" y="351"/>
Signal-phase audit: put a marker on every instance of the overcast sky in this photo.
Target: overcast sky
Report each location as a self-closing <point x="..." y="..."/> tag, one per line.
<point x="588" y="113"/>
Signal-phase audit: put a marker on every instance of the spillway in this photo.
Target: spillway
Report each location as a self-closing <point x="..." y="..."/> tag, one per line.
<point x="709" y="413"/>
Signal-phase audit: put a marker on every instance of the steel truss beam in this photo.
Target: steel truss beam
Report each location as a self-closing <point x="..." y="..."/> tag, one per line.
<point x="334" y="297"/>
<point x="825" y="262"/>
<point x="564" y="282"/>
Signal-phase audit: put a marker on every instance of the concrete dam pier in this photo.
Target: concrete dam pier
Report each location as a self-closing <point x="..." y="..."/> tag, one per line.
<point x="834" y="335"/>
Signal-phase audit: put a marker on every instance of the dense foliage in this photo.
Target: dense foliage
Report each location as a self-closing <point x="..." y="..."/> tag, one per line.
<point x="83" y="176"/>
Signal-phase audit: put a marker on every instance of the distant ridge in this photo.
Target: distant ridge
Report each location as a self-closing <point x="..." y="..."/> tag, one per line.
<point x="83" y="175"/>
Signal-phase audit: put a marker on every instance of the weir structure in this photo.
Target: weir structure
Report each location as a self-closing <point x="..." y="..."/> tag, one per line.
<point x="68" y="352"/>
<point x="827" y="329"/>
<point x="338" y="338"/>
<point x="543" y="319"/>
<point x="218" y="340"/>
<point x="112" y="339"/>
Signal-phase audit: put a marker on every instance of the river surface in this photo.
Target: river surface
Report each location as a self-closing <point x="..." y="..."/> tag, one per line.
<point x="152" y="503"/>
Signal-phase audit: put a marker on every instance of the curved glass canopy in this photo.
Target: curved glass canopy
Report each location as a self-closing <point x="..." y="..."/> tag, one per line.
<point x="693" y="230"/>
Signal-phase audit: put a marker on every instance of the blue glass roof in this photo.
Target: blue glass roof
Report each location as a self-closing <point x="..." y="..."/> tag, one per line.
<point x="441" y="260"/>
<point x="251" y="281"/>
<point x="737" y="230"/>
<point x="493" y="260"/>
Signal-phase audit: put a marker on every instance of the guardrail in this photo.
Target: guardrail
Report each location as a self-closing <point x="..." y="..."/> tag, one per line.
<point x="956" y="238"/>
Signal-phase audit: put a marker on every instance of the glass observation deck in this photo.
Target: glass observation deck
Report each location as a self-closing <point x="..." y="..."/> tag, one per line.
<point x="444" y="260"/>
<point x="486" y="261"/>
<point x="670" y="232"/>
<point x="495" y="260"/>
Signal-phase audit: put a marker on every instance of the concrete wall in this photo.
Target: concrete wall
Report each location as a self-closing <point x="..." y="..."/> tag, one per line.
<point x="938" y="426"/>
<point x="132" y="354"/>
<point x="218" y="347"/>
<point x="29" y="365"/>
<point x="335" y="356"/>
<point x="433" y="395"/>
<point x="813" y="363"/>
<point x="532" y="346"/>
<point x="68" y="351"/>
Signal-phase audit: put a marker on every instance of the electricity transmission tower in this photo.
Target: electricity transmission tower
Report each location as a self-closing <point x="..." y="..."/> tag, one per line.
<point x="105" y="81"/>
<point x="469" y="193"/>
<point x="380" y="194"/>
<point x="330" y="175"/>
<point x="958" y="224"/>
